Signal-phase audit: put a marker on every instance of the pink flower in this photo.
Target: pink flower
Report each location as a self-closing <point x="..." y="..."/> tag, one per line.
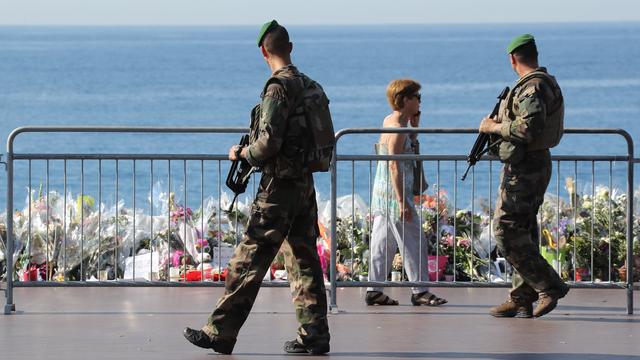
<point x="448" y="240"/>
<point x="202" y="244"/>
<point x="464" y="242"/>
<point x="176" y="256"/>
<point x="181" y="213"/>
<point x="323" y="255"/>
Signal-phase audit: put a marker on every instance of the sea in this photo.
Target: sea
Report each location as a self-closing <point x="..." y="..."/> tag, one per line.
<point x="213" y="76"/>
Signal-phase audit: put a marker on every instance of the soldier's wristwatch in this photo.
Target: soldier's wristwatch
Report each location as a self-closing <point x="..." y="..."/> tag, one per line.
<point x="239" y="151"/>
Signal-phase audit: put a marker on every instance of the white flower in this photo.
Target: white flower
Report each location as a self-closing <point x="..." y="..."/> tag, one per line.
<point x="602" y="192"/>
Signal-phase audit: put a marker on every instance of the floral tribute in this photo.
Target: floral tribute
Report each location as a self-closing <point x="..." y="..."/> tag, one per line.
<point x="73" y="238"/>
<point x="582" y="237"/>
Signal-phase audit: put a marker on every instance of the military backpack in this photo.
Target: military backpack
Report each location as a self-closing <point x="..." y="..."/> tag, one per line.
<point x="311" y="105"/>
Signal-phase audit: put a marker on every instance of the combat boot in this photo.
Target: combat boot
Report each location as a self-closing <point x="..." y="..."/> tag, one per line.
<point x="295" y="347"/>
<point x="201" y="339"/>
<point x="513" y="308"/>
<point x="549" y="301"/>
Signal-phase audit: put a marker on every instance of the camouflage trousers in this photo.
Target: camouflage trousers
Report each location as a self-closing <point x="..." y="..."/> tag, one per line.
<point x="522" y="189"/>
<point x="284" y="211"/>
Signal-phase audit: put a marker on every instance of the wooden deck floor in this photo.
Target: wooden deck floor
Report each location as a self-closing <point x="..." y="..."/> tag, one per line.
<point x="146" y="323"/>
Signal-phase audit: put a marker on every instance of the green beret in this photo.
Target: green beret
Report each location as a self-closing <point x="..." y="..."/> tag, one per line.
<point x="519" y="41"/>
<point x="269" y="25"/>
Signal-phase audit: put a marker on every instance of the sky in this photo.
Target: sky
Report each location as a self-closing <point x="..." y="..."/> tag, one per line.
<point x="301" y="12"/>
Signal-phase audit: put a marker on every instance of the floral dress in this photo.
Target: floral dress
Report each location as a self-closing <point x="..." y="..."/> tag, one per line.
<point x="389" y="232"/>
<point x="383" y="199"/>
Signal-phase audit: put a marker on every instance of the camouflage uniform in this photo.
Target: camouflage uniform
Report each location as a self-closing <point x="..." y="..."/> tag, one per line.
<point x="284" y="212"/>
<point x="531" y="118"/>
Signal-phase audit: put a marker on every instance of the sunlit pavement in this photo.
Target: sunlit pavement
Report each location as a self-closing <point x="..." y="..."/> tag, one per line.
<point x="146" y="323"/>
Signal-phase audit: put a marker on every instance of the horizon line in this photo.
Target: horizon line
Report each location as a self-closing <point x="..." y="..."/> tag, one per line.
<point x="327" y="24"/>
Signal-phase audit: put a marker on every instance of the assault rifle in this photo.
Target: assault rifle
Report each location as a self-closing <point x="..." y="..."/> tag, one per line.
<point x="481" y="146"/>
<point x="239" y="174"/>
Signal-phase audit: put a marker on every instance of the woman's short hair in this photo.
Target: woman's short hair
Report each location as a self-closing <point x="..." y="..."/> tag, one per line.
<point x="398" y="89"/>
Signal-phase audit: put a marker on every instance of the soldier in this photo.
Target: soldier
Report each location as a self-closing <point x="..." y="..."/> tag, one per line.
<point x="529" y="122"/>
<point x="284" y="210"/>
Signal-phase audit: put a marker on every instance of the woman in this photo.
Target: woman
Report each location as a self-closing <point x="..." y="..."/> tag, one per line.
<point x="395" y="221"/>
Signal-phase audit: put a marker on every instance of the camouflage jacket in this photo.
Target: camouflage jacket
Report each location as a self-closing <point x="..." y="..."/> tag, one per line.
<point x="532" y="115"/>
<point x="277" y="143"/>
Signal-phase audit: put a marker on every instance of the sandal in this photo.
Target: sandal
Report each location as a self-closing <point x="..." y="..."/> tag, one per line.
<point x="379" y="298"/>
<point x="428" y="299"/>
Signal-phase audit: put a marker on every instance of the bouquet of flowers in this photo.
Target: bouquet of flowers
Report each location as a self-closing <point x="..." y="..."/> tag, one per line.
<point x="454" y="242"/>
<point x="67" y="238"/>
<point x="585" y="237"/>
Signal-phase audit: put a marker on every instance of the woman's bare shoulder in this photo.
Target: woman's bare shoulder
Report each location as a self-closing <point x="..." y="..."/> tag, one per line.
<point x="388" y="122"/>
<point x="391" y="121"/>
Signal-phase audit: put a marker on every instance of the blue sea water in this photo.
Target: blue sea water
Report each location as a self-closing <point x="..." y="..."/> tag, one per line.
<point x="212" y="76"/>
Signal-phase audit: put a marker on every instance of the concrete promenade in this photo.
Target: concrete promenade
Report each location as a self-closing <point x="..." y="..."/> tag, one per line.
<point x="146" y="323"/>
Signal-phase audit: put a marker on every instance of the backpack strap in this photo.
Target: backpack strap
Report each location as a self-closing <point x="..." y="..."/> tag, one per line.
<point x="547" y="79"/>
<point x="273" y="80"/>
<point x="290" y="87"/>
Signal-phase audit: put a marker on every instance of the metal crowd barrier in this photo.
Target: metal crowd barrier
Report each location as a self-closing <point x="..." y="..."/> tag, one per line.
<point x="147" y="161"/>
<point x="139" y="166"/>
<point x="341" y="158"/>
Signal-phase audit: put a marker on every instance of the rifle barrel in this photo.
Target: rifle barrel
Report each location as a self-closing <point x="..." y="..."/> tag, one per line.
<point x="482" y="141"/>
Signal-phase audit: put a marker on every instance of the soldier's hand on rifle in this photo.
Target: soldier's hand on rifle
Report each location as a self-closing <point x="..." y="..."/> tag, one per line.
<point x="488" y="125"/>
<point x="236" y="152"/>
